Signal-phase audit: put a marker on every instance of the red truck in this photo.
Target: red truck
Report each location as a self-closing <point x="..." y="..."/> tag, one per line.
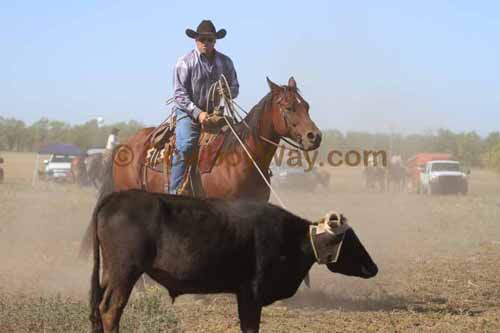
<point x="416" y="165"/>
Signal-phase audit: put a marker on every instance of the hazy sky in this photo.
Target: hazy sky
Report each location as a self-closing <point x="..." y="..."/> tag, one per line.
<point x="367" y="65"/>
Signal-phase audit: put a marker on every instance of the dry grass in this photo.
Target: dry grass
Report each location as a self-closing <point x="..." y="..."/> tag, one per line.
<point x="438" y="260"/>
<point x="56" y="313"/>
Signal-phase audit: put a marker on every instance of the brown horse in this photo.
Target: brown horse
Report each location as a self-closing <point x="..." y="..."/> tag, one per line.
<point x="282" y="113"/>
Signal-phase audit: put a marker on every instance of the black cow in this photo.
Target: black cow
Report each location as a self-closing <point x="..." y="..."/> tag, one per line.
<point x="255" y="250"/>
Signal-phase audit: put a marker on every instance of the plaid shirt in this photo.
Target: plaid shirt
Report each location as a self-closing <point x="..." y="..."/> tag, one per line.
<point x="193" y="76"/>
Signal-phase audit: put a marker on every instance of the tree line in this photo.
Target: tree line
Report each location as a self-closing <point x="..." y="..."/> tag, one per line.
<point x="15" y="135"/>
<point x="469" y="147"/>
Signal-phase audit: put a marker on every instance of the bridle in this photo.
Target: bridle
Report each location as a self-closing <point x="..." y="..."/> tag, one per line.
<point x="284" y="113"/>
<point x="223" y="85"/>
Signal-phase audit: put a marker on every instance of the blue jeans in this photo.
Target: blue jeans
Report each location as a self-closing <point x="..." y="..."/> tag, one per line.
<point x="187" y="132"/>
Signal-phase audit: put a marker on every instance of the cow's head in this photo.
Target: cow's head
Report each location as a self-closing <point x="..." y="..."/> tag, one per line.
<point x="336" y="245"/>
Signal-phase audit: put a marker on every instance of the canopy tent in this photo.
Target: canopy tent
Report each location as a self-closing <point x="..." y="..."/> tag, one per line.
<point x="61" y="149"/>
<point x="54" y="148"/>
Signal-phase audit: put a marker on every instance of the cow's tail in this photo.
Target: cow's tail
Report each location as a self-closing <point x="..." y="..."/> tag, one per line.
<point x="96" y="292"/>
<point x="107" y="188"/>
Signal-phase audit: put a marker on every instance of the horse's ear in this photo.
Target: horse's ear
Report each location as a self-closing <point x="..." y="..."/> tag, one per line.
<point x="275" y="89"/>
<point x="292" y="83"/>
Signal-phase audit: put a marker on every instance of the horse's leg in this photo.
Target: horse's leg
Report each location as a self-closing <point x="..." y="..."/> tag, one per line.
<point x="249" y="311"/>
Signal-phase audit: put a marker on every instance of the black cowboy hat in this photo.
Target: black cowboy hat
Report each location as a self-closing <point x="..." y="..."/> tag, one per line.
<point x="206" y="29"/>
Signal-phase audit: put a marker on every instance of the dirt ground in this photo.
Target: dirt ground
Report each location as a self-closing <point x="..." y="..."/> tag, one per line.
<point x="439" y="261"/>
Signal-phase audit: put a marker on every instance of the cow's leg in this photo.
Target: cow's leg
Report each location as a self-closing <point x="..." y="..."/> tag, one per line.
<point x="249" y="311"/>
<point x="116" y="295"/>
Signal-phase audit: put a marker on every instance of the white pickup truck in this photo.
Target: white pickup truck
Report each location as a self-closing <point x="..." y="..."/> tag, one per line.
<point x="58" y="167"/>
<point x="444" y="177"/>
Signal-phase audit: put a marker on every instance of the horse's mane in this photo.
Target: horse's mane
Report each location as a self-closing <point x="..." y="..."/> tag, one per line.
<point x="252" y="119"/>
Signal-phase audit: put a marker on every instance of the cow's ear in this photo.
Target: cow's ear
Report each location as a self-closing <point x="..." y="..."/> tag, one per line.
<point x="275" y="89"/>
<point x="292" y="83"/>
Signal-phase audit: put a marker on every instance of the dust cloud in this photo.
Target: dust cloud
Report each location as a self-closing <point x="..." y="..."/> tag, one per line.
<point x="430" y="250"/>
<point x="401" y="231"/>
<point x="40" y="232"/>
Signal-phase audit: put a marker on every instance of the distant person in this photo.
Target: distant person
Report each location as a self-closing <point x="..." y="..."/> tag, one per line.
<point x="112" y="139"/>
<point x="396" y="159"/>
<point x="110" y="144"/>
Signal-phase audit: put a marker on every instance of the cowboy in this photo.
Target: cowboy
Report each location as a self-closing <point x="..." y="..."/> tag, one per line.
<point x="194" y="74"/>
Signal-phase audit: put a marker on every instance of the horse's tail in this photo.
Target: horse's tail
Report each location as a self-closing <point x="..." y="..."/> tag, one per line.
<point x="96" y="292"/>
<point x="107" y="187"/>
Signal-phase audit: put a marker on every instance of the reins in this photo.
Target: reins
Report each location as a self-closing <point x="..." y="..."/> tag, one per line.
<point x="291" y="143"/>
<point x="222" y="87"/>
<point x="230" y="105"/>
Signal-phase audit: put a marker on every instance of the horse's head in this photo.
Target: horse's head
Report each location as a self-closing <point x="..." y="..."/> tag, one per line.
<point x="291" y="115"/>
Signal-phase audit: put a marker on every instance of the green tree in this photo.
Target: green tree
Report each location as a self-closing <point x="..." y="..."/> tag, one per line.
<point x="39" y="131"/>
<point x="495" y="158"/>
<point x="469" y="148"/>
<point x="13" y="131"/>
<point x="445" y="141"/>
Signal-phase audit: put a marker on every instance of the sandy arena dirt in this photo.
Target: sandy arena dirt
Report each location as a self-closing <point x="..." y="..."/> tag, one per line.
<point x="438" y="258"/>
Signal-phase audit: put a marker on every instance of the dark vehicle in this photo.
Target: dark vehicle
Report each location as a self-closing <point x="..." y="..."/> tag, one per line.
<point x="297" y="178"/>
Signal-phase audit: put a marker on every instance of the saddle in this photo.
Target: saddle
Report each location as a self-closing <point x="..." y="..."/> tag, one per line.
<point x="160" y="148"/>
<point x="161" y="134"/>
